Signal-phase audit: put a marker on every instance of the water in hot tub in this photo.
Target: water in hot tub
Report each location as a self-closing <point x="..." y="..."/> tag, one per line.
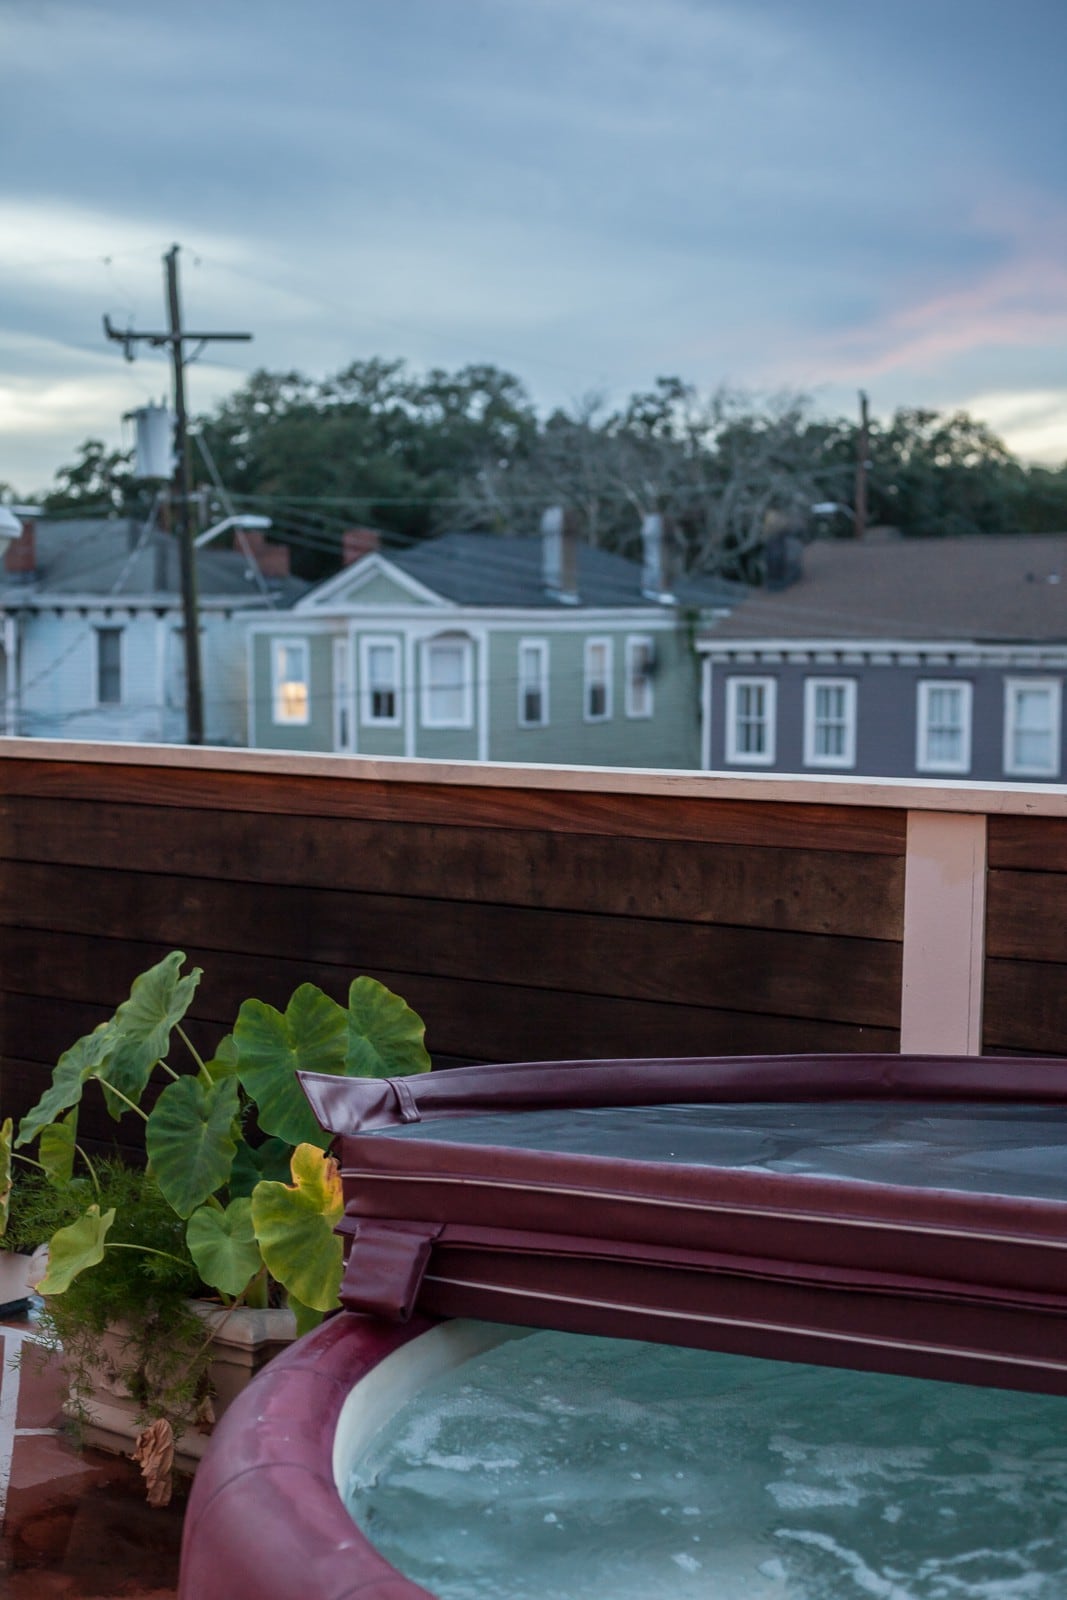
<point x="559" y="1467"/>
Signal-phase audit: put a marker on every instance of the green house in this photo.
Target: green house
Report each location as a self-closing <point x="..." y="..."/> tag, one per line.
<point x="481" y="647"/>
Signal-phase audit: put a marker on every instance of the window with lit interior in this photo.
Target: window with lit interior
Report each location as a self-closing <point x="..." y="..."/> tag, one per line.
<point x="290" y="697"/>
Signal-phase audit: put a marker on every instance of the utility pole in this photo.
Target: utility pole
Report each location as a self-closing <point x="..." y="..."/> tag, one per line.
<point x="176" y="338"/>
<point x="863" y="448"/>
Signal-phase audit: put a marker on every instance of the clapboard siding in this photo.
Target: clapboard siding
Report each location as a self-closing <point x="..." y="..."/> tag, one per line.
<point x="523" y="923"/>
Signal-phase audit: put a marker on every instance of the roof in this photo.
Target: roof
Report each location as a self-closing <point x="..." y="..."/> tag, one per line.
<point x="116" y="559"/>
<point x="484" y="569"/>
<point x="988" y="589"/>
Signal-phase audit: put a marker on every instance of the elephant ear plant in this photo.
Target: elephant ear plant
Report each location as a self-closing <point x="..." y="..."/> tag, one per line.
<point x="237" y="1195"/>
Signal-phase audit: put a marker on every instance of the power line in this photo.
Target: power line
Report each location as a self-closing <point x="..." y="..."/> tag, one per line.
<point x="176" y="339"/>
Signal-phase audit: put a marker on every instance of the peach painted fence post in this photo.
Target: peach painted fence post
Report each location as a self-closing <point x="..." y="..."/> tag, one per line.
<point x="944" y="933"/>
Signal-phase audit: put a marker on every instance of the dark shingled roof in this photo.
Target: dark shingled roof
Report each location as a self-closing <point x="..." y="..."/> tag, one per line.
<point x="107" y="557"/>
<point x="1003" y="589"/>
<point x="481" y="569"/>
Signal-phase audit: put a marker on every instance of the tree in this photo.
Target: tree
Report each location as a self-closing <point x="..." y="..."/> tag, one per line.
<point x="100" y="480"/>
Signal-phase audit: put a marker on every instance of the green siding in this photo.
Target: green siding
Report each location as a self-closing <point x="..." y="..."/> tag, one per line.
<point x="317" y="732"/>
<point x="377" y="591"/>
<point x="669" y="738"/>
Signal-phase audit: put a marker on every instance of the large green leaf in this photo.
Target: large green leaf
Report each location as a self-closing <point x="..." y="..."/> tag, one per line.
<point x="385" y="1037"/>
<point x="250" y="1164"/>
<point x="72" y="1249"/>
<point x="7" y="1128"/>
<point x="223" y="1245"/>
<point x="294" y="1225"/>
<point x="311" y="1035"/>
<point x="158" y="1000"/>
<point x="69" y="1075"/>
<point x="189" y="1139"/>
<point x="223" y="1064"/>
<point x="55" y="1148"/>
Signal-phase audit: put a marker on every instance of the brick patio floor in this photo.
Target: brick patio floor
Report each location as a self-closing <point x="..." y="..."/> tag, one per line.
<point x="74" y="1524"/>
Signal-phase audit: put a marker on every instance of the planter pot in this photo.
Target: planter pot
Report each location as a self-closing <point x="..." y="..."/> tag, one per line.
<point x="243" y="1341"/>
<point x="19" y="1274"/>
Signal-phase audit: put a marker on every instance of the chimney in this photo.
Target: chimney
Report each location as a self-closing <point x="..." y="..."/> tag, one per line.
<point x="656" y="565"/>
<point x="20" y="557"/>
<point x="559" y="556"/>
<point x="783" y="549"/>
<point x="271" y="559"/>
<point x="357" y="543"/>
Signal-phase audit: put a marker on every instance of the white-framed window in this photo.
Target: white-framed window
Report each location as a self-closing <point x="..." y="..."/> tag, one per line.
<point x="943" y="726"/>
<point x="1032" y="727"/>
<point x="829" y="722"/>
<point x="751" y="708"/>
<point x="290" y="682"/>
<point x="533" y="683"/>
<point x="598" y="667"/>
<point x="379" y="677"/>
<point x="640" y="664"/>
<point x="109" y="666"/>
<point x="447" y="682"/>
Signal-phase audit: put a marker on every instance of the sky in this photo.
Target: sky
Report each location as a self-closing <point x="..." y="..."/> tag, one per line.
<point x="803" y="195"/>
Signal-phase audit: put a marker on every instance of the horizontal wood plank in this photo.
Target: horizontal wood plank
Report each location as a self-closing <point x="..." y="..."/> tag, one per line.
<point x="506" y="1024"/>
<point x="797" y="974"/>
<point x="1028" y="844"/>
<point x="874" y="830"/>
<point x="1026" y="915"/>
<point x="820" y="891"/>
<point x="1025" y="1007"/>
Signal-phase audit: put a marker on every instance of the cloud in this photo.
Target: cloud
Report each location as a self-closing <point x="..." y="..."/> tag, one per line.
<point x="1032" y="424"/>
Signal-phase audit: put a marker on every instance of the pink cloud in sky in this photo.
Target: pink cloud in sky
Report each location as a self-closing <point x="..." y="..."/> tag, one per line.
<point x="1022" y="301"/>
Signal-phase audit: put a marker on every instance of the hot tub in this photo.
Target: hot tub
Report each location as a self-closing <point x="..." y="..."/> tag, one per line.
<point x="899" y="1215"/>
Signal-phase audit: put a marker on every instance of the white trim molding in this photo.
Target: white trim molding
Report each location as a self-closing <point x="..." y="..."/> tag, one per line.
<point x="1021" y="759"/>
<point x="751" y="720"/>
<point x="290" y="681"/>
<point x="939" y="727"/>
<point x="830" y="706"/>
<point x="117" y="633"/>
<point x="371" y="714"/>
<point x="461" y="646"/>
<point x="532" y="653"/>
<point x="640" y="693"/>
<point x="597" y="698"/>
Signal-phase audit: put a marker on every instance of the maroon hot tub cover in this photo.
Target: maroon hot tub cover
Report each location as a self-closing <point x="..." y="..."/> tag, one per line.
<point x="895" y="1213"/>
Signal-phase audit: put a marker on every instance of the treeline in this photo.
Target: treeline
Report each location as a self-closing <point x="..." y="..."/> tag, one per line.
<point x="414" y="455"/>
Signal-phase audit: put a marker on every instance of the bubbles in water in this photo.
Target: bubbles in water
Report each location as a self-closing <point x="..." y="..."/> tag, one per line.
<point x="617" y="1470"/>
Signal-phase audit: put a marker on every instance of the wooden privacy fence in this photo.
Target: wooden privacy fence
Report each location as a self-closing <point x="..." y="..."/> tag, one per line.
<point x="530" y="913"/>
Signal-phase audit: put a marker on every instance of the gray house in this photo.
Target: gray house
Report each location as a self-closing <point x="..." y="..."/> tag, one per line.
<point x="893" y="658"/>
<point x="489" y="648"/>
<point x="91" y="630"/>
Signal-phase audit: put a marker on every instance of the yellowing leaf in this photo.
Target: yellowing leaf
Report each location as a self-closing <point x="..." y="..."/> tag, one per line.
<point x="294" y="1225"/>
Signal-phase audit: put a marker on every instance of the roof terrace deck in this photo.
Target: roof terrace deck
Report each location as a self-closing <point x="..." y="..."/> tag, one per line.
<point x="533" y="912"/>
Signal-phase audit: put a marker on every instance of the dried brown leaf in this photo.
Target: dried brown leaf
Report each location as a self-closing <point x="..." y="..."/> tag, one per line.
<point x="154" y="1454"/>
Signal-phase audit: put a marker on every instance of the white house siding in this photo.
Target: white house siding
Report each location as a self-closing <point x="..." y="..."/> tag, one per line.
<point x="58" y="677"/>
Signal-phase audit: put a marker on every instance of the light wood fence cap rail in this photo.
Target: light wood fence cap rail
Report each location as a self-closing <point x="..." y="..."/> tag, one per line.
<point x="917" y="794"/>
